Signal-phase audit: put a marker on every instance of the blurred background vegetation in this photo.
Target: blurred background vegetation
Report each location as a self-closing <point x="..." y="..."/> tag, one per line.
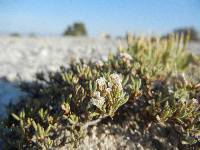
<point x="77" y="29"/>
<point x="194" y="34"/>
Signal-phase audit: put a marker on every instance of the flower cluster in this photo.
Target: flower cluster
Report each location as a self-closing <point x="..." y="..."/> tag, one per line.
<point x="109" y="94"/>
<point x="116" y="82"/>
<point x="125" y="57"/>
<point x="98" y="100"/>
<point x="195" y="101"/>
<point x="101" y="83"/>
<point x="98" y="63"/>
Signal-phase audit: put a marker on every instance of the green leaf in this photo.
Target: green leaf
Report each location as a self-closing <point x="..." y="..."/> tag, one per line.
<point x="15" y="117"/>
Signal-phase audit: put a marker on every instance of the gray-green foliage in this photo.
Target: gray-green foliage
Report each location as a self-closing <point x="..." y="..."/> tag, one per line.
<point x="147" y="78"/>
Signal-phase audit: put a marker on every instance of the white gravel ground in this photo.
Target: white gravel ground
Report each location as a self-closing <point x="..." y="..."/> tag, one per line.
<point x="24" y="56"/>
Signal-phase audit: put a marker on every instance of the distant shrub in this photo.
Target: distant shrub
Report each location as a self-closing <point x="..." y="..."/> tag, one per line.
<point x="185" y="32"/>
<point x="32" y="35"/>
<point x="15" y="35"/>
<point x="77" y="29"/>
<point x="144" y="82"/>
<point x="105" y="35"/>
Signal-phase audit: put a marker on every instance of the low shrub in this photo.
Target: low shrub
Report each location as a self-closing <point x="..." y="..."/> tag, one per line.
<point x="148" y="80"/>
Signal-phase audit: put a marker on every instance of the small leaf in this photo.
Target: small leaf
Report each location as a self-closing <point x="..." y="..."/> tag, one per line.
<point x="16" y="117"/>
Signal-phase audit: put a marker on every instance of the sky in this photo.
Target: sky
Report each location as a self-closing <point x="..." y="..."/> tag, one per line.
<point x="115" y="17"/>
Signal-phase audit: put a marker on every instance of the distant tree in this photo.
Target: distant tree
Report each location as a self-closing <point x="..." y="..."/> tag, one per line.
<point x="77" y="29"/>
